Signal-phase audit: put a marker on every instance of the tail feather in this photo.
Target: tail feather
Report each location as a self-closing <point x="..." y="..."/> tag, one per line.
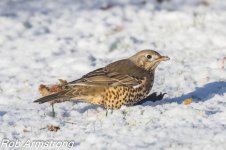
<point x="49" y="98"/>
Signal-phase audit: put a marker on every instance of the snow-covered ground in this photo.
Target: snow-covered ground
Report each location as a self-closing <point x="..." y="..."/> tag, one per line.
<point x="42" y="41"/>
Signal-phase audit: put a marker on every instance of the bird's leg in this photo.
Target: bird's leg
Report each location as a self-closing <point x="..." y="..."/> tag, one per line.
<point x="106" y="112"/>
<point x="53" y="112"/>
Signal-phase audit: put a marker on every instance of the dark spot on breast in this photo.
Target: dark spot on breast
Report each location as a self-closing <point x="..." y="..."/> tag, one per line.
<point x="113" y="92"/>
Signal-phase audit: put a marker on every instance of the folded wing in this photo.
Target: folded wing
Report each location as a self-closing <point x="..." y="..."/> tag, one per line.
<point x="104" y="77"/>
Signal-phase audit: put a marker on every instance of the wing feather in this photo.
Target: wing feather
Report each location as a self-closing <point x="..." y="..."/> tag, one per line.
<point x="103" y="77"/>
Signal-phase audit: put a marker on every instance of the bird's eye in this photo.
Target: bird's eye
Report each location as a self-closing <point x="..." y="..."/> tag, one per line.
<point x="149" y="56"/>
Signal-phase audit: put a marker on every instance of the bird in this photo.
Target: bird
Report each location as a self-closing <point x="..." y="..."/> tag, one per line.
<point x="123" y="82"/>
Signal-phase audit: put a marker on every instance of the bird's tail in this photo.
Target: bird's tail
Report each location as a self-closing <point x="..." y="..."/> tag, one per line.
<point x="55" y="97"/>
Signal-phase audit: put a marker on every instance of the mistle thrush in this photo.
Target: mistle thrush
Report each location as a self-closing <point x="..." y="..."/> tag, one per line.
<point x="124" y="82"/>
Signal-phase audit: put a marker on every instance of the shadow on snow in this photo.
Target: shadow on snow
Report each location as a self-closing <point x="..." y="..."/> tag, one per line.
<point x="203" y="93"/>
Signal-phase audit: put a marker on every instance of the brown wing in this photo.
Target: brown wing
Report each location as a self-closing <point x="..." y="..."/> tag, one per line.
<point x="104" y="77"/>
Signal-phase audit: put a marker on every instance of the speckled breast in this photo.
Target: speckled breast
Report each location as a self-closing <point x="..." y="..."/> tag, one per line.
<point x="115" y="97"/>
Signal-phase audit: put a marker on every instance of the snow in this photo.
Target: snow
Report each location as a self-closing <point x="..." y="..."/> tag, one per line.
<point x="43" y="41"/>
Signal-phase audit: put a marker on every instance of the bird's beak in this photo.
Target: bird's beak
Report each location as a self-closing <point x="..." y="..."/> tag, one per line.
<point x="163" y="58"/>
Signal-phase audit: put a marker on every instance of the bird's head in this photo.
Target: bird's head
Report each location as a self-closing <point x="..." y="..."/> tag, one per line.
<point x="148" y="59"/>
